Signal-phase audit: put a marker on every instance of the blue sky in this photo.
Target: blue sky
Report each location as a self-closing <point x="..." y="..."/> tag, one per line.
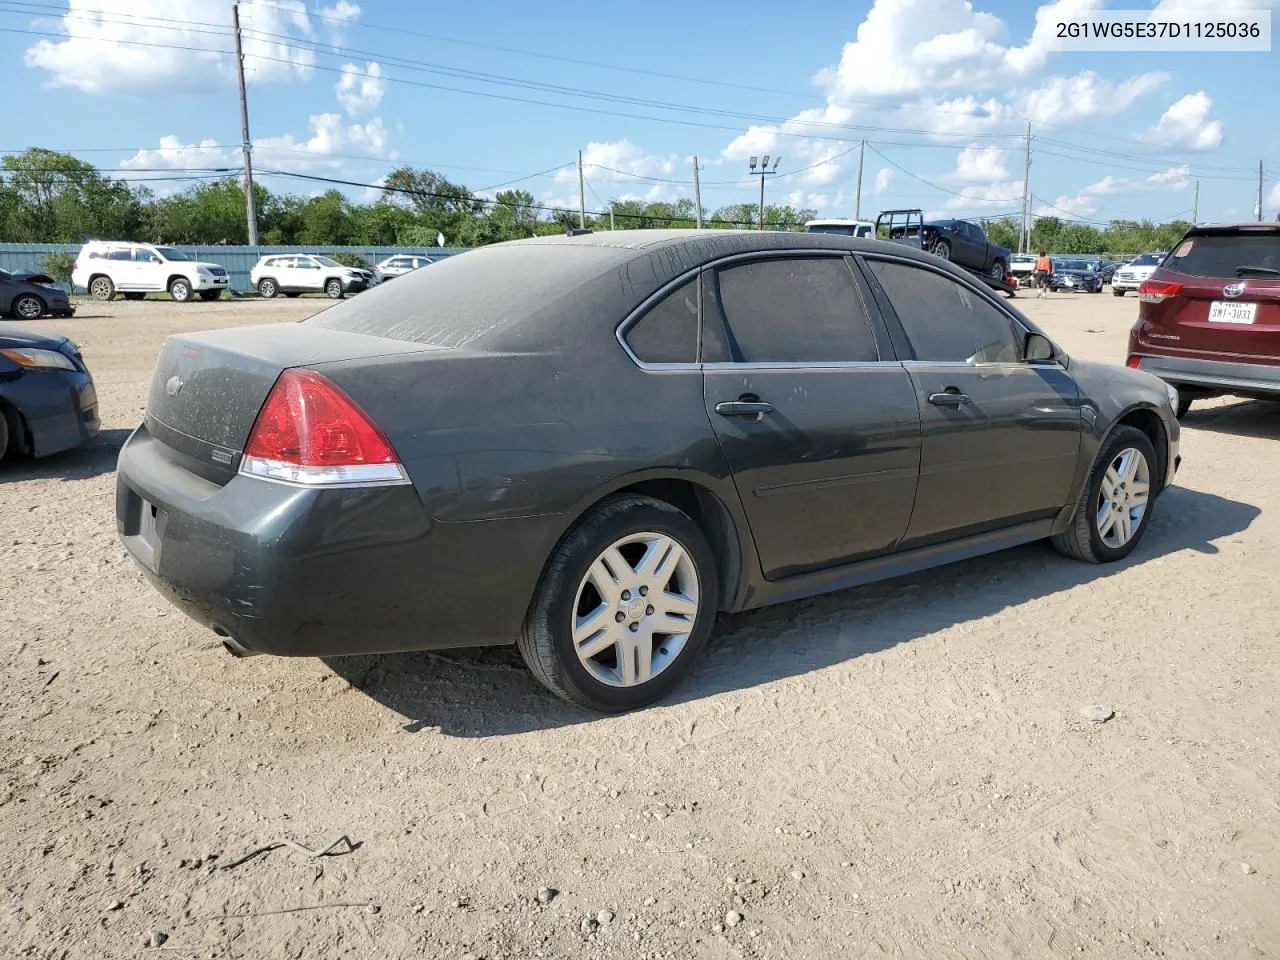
<point x="941" y="90"/>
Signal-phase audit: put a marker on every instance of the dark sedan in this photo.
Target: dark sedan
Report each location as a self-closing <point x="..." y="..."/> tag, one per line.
<point x="28" y="295"/>
<point x="47" y="399"/>
<point x="1076" y="275"/>
<point x="590" y="445"/>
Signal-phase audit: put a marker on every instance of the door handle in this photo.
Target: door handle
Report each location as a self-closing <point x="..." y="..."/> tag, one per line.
<point x="744" y="408"/>
<point x="951" y="397"/>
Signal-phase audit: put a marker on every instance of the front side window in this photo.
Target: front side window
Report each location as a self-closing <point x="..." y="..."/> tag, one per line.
<point x="668" y="331"/>
<point x="326" y="261"/>
<point x="795" y="310"/>
<point x="945" y="321"/>
<point x="120" y="255"/>
<point x="171" y="254"/>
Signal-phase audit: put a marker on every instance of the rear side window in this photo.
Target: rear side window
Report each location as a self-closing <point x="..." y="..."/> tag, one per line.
<point x="1222" y="255"/>
<point x="668" y="331"/>
<point x="944" y="320"/>
<point x="795" y="311"/>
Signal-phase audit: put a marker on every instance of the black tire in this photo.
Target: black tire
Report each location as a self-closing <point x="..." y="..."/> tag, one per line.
<point x="4" y="431"/>
<point x="1117" y="293"/>
<point x="102" y="287"/>
<point x="267" y="288"/>
<point x="293" y="296"/>
<point x="133" y="296"/>
<point x="546" y="641"/>
<point x="997" y="270"/>
<point x="942" y="249"/>
<point x="333" y="288"/>
<point x="27" y="307"/>
<point x="208" y="296"/>
<point x="180" y="290"/>
<point x="1185" y="398"/>
<point x="1081" y="539"/>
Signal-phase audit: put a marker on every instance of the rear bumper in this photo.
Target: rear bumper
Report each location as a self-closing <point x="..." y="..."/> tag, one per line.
<point x="1244" y="379"/>
<point x="290" y="571"/>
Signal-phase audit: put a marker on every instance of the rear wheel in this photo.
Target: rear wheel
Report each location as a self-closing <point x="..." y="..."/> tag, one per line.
<point x="267" y="288"/>
<point x="625" y="604"/>
<point x="180" y="290"/>
<point x="1115" y="506"/>
<point x="333" y="289"/>
<point x="208" y="296"/>
<point x="133" y="296"/>
<point x="28" y="307"/>
<point x="102" y="288"/>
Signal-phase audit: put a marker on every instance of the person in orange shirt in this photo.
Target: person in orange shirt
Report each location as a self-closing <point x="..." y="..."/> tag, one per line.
<point x="1044" y="269"/>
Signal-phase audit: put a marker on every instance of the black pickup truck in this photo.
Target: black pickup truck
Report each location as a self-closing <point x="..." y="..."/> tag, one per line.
<point x="961" y="242"/>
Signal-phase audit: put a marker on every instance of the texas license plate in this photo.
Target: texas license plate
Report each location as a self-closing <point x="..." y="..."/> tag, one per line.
<point x="1220" y="311"/>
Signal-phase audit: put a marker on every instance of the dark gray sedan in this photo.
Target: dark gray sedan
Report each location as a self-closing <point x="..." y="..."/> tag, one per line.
<point x="590" y="445"/>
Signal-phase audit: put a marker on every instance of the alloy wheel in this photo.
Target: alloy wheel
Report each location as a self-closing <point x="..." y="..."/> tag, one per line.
<point x="635" y="608"/>
<point x="1122" y="499"/>
<point x="29" y="308"/>
<point x="101" y="289"/>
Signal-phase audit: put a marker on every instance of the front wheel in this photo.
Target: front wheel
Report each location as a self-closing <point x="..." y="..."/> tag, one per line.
<point x="28" y="307"/>
<point x="1117" y="293"/>
<point x="625" y="604"/>
<point x="333" y="289"/>
<point x="180" y="290"/>
<point x="997" y="270"/>
<point x="1115" y="507"/>
<point x="942" y="249"/>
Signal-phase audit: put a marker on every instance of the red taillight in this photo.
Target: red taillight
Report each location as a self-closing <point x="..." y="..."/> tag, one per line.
<point x="1133" y="363"/>
<point x="1155" y="291"/>
<point x="310" y="432"/>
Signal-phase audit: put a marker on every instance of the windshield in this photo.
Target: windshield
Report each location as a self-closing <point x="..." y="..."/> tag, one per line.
<point x="325" y="261"/>
<point x="171" y="254"/>
<point x="1221" y="255"/>
<point x="1146" y="260"/>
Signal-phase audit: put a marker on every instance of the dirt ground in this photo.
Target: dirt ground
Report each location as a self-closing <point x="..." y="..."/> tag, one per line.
<point x="895" y="771"/>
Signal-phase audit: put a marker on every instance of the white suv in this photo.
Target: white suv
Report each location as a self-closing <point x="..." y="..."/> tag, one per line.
<point x="136" y="269"/>
<point x="1130" y="275"/>
<point x="296" y="273"/>
<point x="399" y="265"/>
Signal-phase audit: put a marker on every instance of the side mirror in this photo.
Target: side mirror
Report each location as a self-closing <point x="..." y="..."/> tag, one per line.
<point x="1037" y="348"/>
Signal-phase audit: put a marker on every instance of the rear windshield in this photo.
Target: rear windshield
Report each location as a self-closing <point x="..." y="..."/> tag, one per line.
<point x="1146" y="260"/>
<point x="475" y="296"/>
<point x="1227" y="254"/>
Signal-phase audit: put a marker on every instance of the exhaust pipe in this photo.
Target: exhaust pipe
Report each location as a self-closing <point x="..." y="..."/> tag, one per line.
<point x="232" y="647"/>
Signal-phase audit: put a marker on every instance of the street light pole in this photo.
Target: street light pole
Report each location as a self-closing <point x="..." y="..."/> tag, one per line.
<point x="764" y="171"/>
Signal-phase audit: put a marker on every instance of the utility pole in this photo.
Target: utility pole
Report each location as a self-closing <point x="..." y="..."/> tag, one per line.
<point x="611" y="226"/>
<point x="250" y="207"/>
<point x="697" y="194"/>
<point x="582" y="197"/>
<point x="763" y="172"/>
<point x="1024" y="234"/>
<point x="1195" y="206"/>
<point x="857" y="203"/>
<point x="1259" y="207"/>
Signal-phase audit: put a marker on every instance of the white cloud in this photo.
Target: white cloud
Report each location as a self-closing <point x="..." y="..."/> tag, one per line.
<point x="360" y="91"/>
<point x="979" y="165"/>
<point x="1089" y="199"/>
<point x="337" y="18"/>
<point x="1273" y="198"/>
<point x="611" y="168"/>
<point x="329" y="136"/>
<point x="173" y="154"/>
<point x="1186" y="124"/>
<point x="884" y="180"/>
<point x="1065" y="100"/>
<point x="126" y="45"/>
<point x="1000" y="194"/>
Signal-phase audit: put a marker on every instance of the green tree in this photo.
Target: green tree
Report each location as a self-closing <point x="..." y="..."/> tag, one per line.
<point x="58" y="265"/>
<point x="1003" y="232"/>
<point x="63" y="199"/>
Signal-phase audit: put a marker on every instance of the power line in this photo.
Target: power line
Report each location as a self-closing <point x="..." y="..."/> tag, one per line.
<point x="935" y="186"/>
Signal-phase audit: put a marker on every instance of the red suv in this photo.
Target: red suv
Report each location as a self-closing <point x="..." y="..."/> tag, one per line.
<point x="1209" y="317"/>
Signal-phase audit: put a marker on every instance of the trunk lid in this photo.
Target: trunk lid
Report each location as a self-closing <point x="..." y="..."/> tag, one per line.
<point x="1222" y="309"/>
<point x="208" y="387"/>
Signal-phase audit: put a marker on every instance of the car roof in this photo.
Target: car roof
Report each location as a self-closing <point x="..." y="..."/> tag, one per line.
<point x="555" y="288"/>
